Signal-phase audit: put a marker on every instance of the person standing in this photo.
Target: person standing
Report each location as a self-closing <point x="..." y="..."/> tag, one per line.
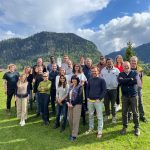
<point x="65" y="62"/>
<point x="102" y="63"/>
<point x="139" y="70"/>
<point x="110" y="75"/>
<point x="44" y="96"/>
<point x="22" y="97"/>
<point x="118" y="64"/>
<point x="74" y="106"/>
<point x="10" y="83"/>
<point x="128" y="82"/>
<point x="52" y="61"/>
<point x="95" y="100"/>
<point x="38" y="79"/>
<point x="52" y="77"/>
<point x="61" y="99"/>
<point x="29" y="76"/>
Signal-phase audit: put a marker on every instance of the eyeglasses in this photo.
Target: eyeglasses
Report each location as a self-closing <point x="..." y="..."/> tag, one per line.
<point x="45" y="76"/>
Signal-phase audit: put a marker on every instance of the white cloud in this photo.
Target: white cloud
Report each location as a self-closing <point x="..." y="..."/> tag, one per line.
<point x="56" y="15"/>
<point x="117" y="32"/>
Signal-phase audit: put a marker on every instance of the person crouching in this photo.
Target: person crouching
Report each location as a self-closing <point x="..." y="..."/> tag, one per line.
<point x="44" y="96"/>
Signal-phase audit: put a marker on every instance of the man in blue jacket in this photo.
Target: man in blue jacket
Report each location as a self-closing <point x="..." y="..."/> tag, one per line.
<point x="128" y="82"/>
<point x="96" y="90"/>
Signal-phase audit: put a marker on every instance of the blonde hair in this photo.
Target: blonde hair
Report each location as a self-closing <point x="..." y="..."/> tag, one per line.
<point x="116" y="63"/>
<point x="23" y="75"/>
<point x="10" y="65"/>
<point x="28" y="67"/>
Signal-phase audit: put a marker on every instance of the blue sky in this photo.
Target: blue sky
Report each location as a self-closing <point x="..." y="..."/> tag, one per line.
<point x="110" y="24"/>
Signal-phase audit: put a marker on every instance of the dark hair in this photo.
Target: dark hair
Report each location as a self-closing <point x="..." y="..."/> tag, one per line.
<point x="75" y="77"/>
<point x="60" y="83"/>
<point x="80" y="68"/>
<point x="109" y="59"/>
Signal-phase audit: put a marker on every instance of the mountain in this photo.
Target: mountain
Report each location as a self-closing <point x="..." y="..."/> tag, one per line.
<point x="25" y="51"/>
<point x="142" y="52"/>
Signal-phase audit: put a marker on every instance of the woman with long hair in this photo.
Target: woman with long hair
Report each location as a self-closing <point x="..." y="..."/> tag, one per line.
<point x="61" y="97"/>
<point x="118" y="64"/>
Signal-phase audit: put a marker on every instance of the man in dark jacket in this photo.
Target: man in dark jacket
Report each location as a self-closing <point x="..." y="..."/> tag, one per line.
<point x="128" y="82"/>
<point x="52" y="77"/>
<point x="96" y="90"/>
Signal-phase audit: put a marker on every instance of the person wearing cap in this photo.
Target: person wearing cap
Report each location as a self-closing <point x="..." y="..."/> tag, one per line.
<point x="44" y="96"/>
<point x="10" y="83"/>
<point x="102" y="63"/>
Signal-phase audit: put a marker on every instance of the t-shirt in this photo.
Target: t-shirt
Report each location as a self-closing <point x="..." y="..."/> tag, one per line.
<point x="12" y="79"/>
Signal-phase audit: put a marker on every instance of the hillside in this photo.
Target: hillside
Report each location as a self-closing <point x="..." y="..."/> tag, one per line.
<point x="142" y="52"/>
<point x="43" y="44"/>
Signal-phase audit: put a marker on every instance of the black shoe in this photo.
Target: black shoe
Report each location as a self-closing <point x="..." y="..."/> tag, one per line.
<point x="56" y="126"/>
<point x="47" y="123"/>
<point x="123" y="131"/>
<point x="143" y="119"/>
<point x="136" y="132"/>
<point x="37" y="115"/>
<point x="72" y="138"/>
<point x="62" y="129"/>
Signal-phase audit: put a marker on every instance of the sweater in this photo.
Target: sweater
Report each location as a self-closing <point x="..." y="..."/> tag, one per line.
<point x="44" y="87"/>
<point x="96" y="88"/>
<point x="110" y="76"/>
<point x="128" y="83"/>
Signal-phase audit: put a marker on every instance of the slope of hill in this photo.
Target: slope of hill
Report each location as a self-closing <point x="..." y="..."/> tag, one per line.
<point x="43" y="44"/>
<point x="142" y="52"/>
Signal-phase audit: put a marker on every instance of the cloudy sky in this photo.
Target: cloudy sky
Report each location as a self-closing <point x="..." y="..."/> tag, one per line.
<point x="110" y="24"/>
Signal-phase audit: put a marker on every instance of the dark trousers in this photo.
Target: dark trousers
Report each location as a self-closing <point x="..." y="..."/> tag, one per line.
<point x="131" y="102"/>
<point x="110" y="97"/>
<point x="85" y="98"/>
<point x="10" y="93"/>
<point x="118" y="95"/>
<point x="83" y="113"/>
<point x="53" y="99"/>
<point x="44" y="98"/>
<point x="62" y="110"/>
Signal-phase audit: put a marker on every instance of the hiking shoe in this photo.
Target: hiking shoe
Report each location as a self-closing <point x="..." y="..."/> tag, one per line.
<point x="113" y="119"/>
<point x="123" y="131"/>
<point x="72" y="138"/>
<point x="137" y="132"/>
<point x="99" y="134"/>
<point x="89" y="131"/>
<point x="143" y="119"/>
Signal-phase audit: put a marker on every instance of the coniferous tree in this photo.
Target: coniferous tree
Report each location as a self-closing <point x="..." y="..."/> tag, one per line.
<point x="129" y="51"/>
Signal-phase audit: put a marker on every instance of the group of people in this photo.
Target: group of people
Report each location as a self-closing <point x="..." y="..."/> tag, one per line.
<point x="77" y="89"/>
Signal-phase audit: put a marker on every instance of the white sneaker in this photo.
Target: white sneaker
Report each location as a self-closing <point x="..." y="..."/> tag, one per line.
<point x="118" y="107"/>
<point x="99" y="134"/>
<point x="89" y="131"/>
<point x="113" y="119"/>
<point x="20" y="122"/>
<point x="23" y="123"/>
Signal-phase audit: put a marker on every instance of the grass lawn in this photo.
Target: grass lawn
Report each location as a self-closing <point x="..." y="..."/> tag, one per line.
<point x="34" y="136"/>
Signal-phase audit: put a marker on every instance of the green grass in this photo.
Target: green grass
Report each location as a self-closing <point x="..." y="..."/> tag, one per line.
<point x="34" y="136"/>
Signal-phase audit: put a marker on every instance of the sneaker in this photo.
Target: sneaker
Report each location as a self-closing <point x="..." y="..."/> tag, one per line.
<point x="99" y="134"/>
<point x="136" y="132"/>
<point x="23" y="123"/>
<point x="113" y="119"/>
<point x="106" y="118"/>
<point x="118" y="107"/>
<point x="123" y="131"/>
<point x="143" y="119"/>
<point x="89" y="131"/>
<point x="20" y="122"/>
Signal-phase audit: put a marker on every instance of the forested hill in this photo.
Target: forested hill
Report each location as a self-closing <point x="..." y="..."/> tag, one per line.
<point x="43" y="44"/>
<point x="142" y="52"/>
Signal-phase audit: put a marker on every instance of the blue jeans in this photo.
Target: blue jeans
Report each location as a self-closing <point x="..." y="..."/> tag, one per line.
<point x="62" y="109"/>
<point x="98" y="106"/>
<point x="38" y="103"/>
<point x="44" y="98"/>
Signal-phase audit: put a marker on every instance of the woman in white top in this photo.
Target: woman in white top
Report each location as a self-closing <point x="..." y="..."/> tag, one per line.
<point x="61" y="96"/>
